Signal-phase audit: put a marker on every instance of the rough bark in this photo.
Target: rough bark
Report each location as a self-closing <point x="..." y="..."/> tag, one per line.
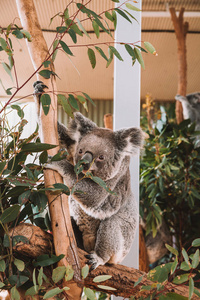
<point x="63" y="237"/>
<point x="181" y="29"/>
<point x="123" y="278"/>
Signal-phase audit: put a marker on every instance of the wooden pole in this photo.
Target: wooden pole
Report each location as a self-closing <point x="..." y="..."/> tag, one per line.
<point x="181" y="29"/>
<point x="63" y="237"/>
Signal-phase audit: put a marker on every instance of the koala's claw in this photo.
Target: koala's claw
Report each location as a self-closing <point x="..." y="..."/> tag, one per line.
<point x="94" y="260"/>
<point x="39" y="87"/>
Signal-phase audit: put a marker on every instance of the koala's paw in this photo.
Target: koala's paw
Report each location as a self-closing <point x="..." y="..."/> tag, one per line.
<point x="94" y="260"/>
<point x="39" y="87"/>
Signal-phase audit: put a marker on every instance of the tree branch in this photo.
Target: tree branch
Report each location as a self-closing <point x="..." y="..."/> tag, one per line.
<point x="123" y="278"/>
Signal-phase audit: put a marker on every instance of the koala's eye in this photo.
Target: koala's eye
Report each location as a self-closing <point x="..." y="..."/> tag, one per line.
<point x="80" y="151"/>
<point x="101" y="157"/>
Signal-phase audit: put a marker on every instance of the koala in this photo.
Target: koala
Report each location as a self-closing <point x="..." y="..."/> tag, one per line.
<point x="107" y="221"/>
<point x="191" y="110"/>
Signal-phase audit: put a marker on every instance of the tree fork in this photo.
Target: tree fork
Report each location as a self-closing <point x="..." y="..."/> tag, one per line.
<point x="181" y="29"/>
<point x="63" y="236"/>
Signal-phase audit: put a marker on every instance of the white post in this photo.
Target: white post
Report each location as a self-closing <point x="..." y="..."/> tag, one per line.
<point x="127" y="102"/>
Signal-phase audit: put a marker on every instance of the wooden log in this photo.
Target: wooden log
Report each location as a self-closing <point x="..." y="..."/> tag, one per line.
<point x="122" y="280"/>
<point x="181" y="29"/>
<point x="63" y="237"/>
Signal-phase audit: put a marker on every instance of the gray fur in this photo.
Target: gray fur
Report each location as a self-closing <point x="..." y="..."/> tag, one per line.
<point x="191" y="110"/>
<point x="108" y="222"/>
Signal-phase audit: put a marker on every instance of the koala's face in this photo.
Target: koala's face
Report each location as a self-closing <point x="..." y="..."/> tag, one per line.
<point x="108" y="151"/>
<point x="100" y="144"/>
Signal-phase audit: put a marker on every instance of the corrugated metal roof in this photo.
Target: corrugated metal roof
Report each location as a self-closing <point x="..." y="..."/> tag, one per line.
<point x="162" y="5"/>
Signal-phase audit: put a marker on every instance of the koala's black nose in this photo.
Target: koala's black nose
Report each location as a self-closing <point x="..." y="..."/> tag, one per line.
<point x="89" y="158"/>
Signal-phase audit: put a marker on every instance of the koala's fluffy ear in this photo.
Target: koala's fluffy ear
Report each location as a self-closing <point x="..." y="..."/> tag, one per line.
<point x="181" y="98"/>
<point x="129" y="140"/>
<point x="79" y="126"/>
<point x="65" y="140"/>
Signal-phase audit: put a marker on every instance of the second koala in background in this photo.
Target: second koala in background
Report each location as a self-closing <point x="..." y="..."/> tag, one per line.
<point x="191" y="110"/>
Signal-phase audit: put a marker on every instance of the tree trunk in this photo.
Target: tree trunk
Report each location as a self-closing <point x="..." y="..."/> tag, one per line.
<point x="63" y="237"/>
<point x="181" y="29"/>
<point x="122" y="280"/>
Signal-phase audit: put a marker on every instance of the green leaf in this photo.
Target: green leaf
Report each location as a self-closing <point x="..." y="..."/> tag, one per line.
<point x="19" y="264"/>
<point x="101" y="278"/>
<point x="32" y="291"/>
<point x="64" y="102"/>
<point x="191" y="287"/>
<point x="101" y="53"/>
<point x="52" y="293"/>
<point x="66" y="48"/>
<point x="139" y="57"/>
<point x="43" y="157"/>
<point x="61" y="29"/>
<point x="81" y="99"/>
<point x="120" y="12"/>
<point x="19" y="110"/>
<point x="55" y="44"/>
<point x="45" y="260"/>
<point x="7" y="69"/>
<point x="92" y="57"/>
<point x="2" y="265"/>
<point x="181" y="278"/>
<point x="72" y="35"/>
<point x="195" y="259"/>
<point x="19" y="35"/>
<point x="197" y="292"/>
<point x="184" y="266"/>
<point x="132" y="7"/>
<point x="46" y="63"/>
<point x="37" y="147"/>
<point x="10" y="214"/>
<point x="19" y="239"/>
<point x="40" y="276"/>
<point x="139" y="280"/>
<point x="96" y="28"/>
<point x="130" y="50"/>
<point x="185" y="255"/>
<point x="73" y="102"/>
<point x="115" y="52"/>
<point x="108" y="288"/>
<point x="26" y="34"/>
<point x="171" y="249"/>
<point x="58" y="273"/>
<point x="90" y="294"/>
<point x="14" y="293"/>
<point x="69" y="273"/>
<point x="150" y="47"/>
<point x="196" y="243"/>
<point x="82" y="28"/>
<point x="3" y="44"/>
<point x="18" y="280"/>
<point x="174" y="266"/>
<point x="110" y="58"/>
<point x="109" y="16"/>
<point x="89" y="99"/>
<point x="1" y="285"/>
<point x="85" y="271"/>
<point x="46" y="102"/>
<point x="45" y="73"/>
